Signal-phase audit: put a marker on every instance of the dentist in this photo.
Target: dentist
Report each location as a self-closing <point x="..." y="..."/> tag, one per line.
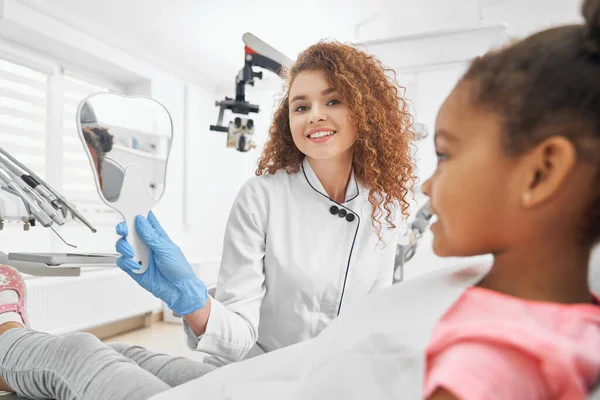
<point x="314" y="231"/>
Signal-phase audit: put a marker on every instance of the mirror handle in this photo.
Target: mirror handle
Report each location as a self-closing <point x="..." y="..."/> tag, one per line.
<point x="135" y="200"/>
<point x="141" y="250"/>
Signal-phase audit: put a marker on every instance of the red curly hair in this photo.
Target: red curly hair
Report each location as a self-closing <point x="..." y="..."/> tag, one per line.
<point x="381" y="154"/>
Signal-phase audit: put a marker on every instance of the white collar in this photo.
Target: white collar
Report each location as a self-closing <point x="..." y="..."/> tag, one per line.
<point x="352" y="191"/>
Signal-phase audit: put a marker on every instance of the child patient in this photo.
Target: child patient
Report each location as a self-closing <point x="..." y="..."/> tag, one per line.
<point x="518" y="176"/>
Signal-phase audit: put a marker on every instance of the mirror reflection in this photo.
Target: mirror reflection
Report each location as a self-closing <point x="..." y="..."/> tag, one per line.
<point x="119" y="131"/>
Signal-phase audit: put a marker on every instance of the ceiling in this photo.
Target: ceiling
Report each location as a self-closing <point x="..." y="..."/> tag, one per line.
<point x="203" y="38"/>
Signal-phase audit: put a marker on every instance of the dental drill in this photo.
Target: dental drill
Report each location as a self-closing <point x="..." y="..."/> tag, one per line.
<point x="42" y="203"/>
<point x="37" y="206"/>
<point x="31" y="184"/>
<point x="40" y="187"/>
<point x="38" y="213"/>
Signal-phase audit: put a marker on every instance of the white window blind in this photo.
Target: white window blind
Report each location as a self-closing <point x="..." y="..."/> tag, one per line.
<point x="23" y="114"/>
<point x="78" y="180"/>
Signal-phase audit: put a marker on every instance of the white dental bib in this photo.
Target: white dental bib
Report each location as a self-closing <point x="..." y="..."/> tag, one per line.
<point x="375" y="350"/>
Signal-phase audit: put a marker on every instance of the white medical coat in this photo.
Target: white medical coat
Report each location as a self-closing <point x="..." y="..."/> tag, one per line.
<point x="376" y="350"/>
<point x="289" y="265"/>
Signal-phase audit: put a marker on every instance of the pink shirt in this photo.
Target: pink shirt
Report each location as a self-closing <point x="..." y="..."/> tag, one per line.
<point x="490" y="345"/>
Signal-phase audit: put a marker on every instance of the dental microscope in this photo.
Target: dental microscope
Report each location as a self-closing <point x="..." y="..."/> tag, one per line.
<point x="256" y="54"/>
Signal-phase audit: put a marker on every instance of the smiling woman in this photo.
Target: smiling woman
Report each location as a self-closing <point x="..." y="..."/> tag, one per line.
<point x="335" y="170"/>
<point x="341" y="112"/>
<point x="315" y="230"/>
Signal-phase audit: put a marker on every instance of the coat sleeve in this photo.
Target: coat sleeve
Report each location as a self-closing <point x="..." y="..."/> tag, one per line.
<point x="232" y="328"/>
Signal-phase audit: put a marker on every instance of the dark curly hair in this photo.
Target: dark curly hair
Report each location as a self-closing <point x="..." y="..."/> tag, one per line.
<point x="545" y="85"/>
<point x="381" y="154"/>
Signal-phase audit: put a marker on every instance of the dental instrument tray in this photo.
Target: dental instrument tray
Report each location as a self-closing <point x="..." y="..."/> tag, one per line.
<point x="65" y="258"/>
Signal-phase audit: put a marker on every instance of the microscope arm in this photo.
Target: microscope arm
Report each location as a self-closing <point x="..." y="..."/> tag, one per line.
<point x="275" y="58"/>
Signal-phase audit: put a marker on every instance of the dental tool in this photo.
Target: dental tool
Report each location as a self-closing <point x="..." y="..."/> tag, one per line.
<point x="37" y="212"/>
<point x="61" y="238"/>
<point x="44" y="205"/>
<point x="24" y="192"/>
<point x="45" y="193"/>
<point x="57" y="196"/>
<point x="34" y="184"/>
<point x="30" y="220"/>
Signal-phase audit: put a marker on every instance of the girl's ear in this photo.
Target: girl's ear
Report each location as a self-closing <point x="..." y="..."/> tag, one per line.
<point x="548" y="167"/>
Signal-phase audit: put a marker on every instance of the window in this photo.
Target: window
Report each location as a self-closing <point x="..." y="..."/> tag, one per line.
<point x="23" y="114"/>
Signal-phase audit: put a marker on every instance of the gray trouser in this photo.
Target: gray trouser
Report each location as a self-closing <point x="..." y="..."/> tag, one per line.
<point x="78" y="366"/>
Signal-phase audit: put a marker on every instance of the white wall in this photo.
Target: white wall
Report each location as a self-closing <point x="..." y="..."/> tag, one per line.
<point x="522" y="17"/>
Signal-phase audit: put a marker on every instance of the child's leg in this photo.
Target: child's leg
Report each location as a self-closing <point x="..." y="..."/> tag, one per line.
<point x="74" y="367"/>
<point x="77" y="366"/>
<point x="172" y="370"/>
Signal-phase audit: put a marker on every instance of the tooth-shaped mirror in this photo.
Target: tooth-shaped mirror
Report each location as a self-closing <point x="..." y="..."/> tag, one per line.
<point x="127" y="141"/>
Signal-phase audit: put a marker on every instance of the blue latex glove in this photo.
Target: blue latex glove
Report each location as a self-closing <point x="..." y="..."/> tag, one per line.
<point x="169" y="275"/>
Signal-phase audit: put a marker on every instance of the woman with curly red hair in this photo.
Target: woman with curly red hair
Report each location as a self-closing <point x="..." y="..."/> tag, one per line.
<point x="315" y="230"/>
<point x="376" y="142"/>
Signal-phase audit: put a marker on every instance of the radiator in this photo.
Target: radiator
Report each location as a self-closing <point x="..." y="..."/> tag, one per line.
<point x="99" y="296"/>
